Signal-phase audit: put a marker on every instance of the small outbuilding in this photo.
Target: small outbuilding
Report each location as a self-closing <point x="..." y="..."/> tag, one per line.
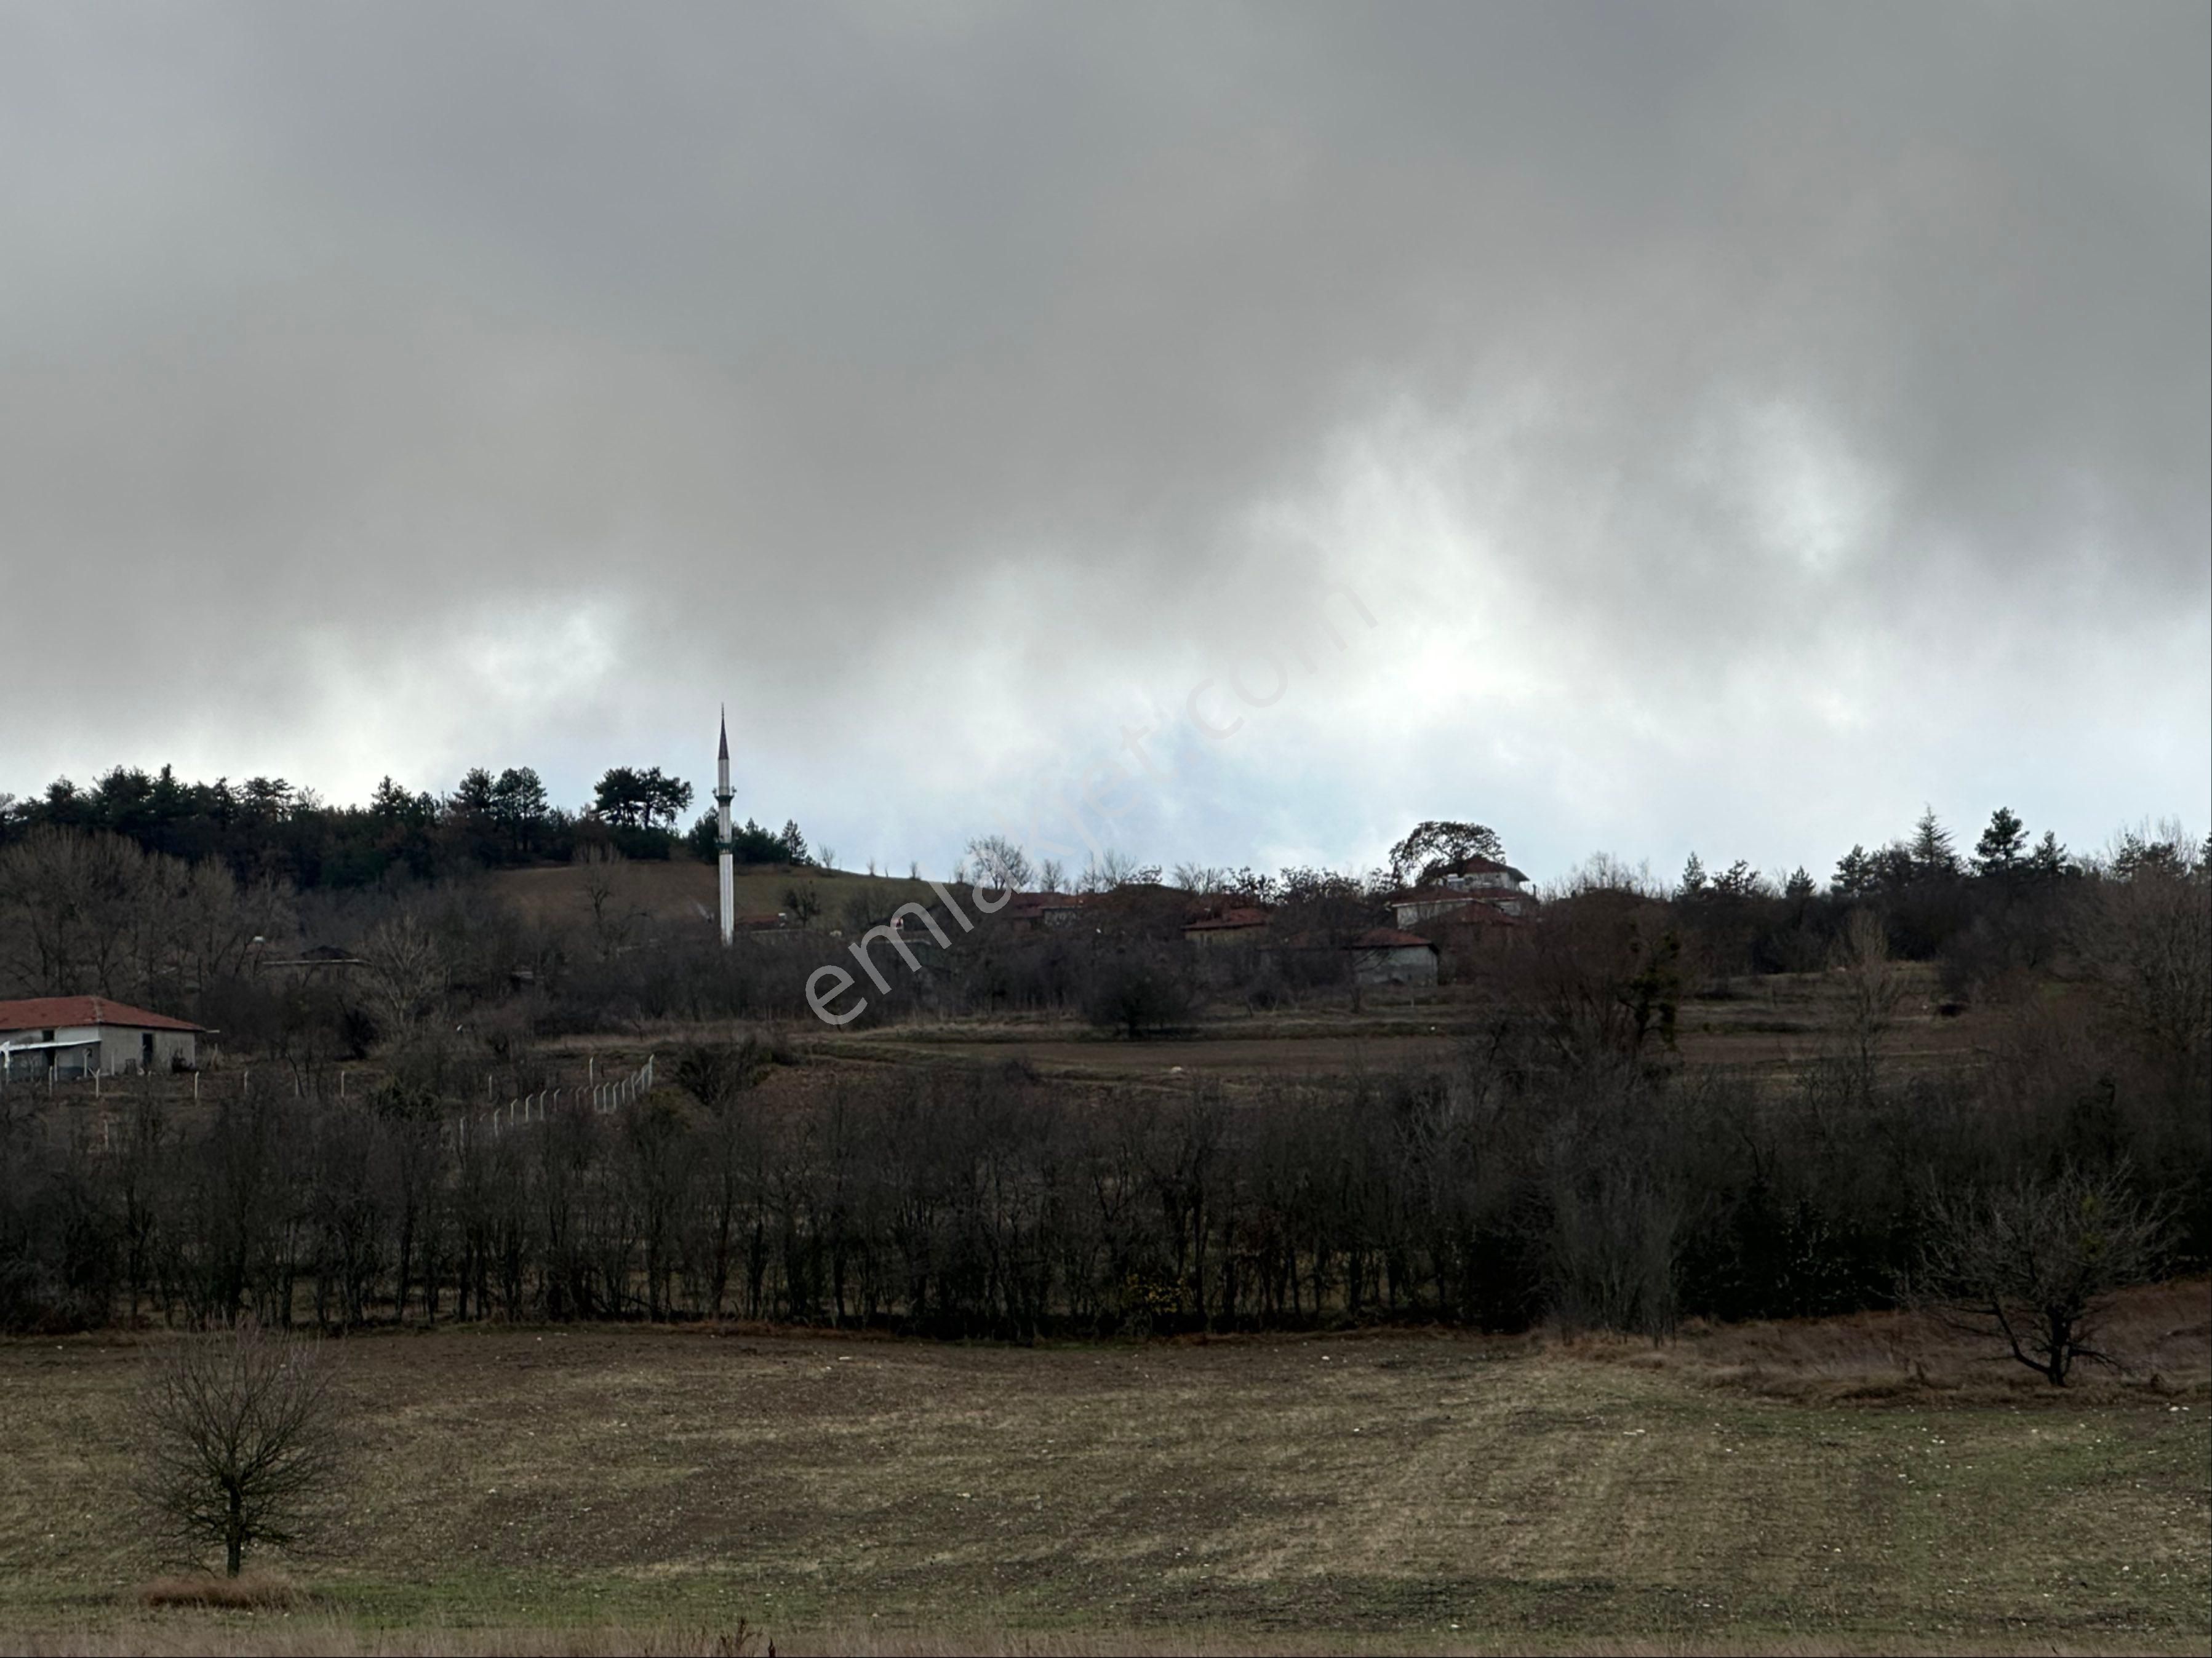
<point x="77" y="1036"/>
<point x="1384" y="956"/>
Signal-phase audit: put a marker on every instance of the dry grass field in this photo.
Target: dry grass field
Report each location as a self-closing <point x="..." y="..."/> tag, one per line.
<point x="681" y="888"/>
<point x="1866" y="1484"/>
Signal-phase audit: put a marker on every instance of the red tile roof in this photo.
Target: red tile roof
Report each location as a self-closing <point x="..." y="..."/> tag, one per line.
<point x="52" y="1013"/>
<point x="1389" y="938"/>
<point x="1228" y="921"/>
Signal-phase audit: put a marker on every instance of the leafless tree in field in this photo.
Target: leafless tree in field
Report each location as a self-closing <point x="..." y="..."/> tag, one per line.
<point x="1873" y="987"/>
<point x="404" y="973"/>
<point x="2148" y="940"/>
<point x="239" y="1433"/>
<point x="999" y="863"/>
<point x="715" y="1073"/>
<point x="2034" y="1262"/>
<point x="803" y="902"/>
<point x="606" y="884"/>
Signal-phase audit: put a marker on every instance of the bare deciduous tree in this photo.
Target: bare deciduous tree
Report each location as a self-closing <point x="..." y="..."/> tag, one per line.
<point x="405" y="973"/>
<point x="715" y="1073"/>
<point x="1873" y="987"/>
<point x="92" y="913"/>
<point x="2148" y="940"/>
<point x="605" y="880"/>
<point x="803" y="902"/>
<point x="238" y="1435"/>
<point x="2035" y="1262"/>
<point x="999" y="863"/>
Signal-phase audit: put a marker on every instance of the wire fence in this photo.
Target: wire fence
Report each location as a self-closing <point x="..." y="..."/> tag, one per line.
<point x="105" y="1123"/>
<point x="603" y="1098"/>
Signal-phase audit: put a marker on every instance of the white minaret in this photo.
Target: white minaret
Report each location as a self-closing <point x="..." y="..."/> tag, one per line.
<point x="722" y="795"/>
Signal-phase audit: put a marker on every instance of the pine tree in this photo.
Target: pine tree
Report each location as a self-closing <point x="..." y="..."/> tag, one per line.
<point x="475" y="792"/>
<point x="1739" y="880"/>
<point x="1932" y="851"/>
<point x="1854" y="873"/>
<point x="1997" y="854"/>
<point x="2049" y="861"/>
<point x="1694" y="877"/>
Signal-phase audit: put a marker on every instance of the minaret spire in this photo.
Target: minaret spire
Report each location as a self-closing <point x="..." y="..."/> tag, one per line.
<point x="723" y="843"/>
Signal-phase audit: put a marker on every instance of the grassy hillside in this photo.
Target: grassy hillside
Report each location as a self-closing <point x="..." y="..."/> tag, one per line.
<point x="681" y="888"/>
<point x="1860" y="1484"/>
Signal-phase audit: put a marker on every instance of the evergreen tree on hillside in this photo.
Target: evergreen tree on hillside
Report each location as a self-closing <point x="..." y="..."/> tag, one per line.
<point x="2049" y="863"/>
<point x="474" y="793"/>
<point x="1933" y="854"/>
<point x="392" y="804"/>
<point x="518" y="806"/>
<point x="1998" y="853"/>
<point x="1854" y="873"/>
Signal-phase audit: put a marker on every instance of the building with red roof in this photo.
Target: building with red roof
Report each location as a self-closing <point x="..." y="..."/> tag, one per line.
<point x="77" y="1035"/>
<point x="1233" y="924"/>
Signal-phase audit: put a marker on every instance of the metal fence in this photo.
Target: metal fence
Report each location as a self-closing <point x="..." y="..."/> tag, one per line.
<point x="603" y="1098"/>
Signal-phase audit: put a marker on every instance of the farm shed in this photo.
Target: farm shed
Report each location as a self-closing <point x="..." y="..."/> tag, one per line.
<point x="77" y="1035"/>
<point x="1384" y="956"/>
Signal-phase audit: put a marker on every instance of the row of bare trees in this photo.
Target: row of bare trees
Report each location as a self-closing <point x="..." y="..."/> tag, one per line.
<point x="1507" y="1186"/>
<point x="92" y="914"/>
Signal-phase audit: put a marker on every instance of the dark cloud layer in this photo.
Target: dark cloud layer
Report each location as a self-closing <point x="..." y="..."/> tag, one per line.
<point x="1744" y="424"/>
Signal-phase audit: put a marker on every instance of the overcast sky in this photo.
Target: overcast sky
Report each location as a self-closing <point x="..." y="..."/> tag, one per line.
<point x="1704" y="426"/>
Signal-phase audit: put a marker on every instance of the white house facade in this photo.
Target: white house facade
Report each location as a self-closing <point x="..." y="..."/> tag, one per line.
<point x="77" y="1036"/>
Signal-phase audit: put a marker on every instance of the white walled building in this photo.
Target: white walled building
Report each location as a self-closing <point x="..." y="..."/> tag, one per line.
<point x="1454" y="890"/>
<point x="77" y="1035"/>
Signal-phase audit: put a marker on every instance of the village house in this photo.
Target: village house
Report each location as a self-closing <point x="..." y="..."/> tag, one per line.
<point x="1464" y="890"/>
<point x="1032" y="912"/>
<point x="1234" y="924"/>
<point x="77" y="1036"/>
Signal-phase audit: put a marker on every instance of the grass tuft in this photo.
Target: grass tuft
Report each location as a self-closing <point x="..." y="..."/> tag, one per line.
<point x="252" y="1591"/>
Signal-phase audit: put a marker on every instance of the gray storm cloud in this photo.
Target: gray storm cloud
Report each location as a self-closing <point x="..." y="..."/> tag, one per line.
<point x="1743" y="425"/>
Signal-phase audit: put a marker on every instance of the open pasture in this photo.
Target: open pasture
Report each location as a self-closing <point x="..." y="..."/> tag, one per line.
<point x="1863" y="1484"/>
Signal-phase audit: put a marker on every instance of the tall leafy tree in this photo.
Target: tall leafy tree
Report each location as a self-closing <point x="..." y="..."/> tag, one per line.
<point x="519" y="806"/>
<point x="474" y="794"/>
<point x="1443" y="841"/>
<point x="619" y="797"/>
<point x="640" y="799"/>
<point x="391" y="803"/>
